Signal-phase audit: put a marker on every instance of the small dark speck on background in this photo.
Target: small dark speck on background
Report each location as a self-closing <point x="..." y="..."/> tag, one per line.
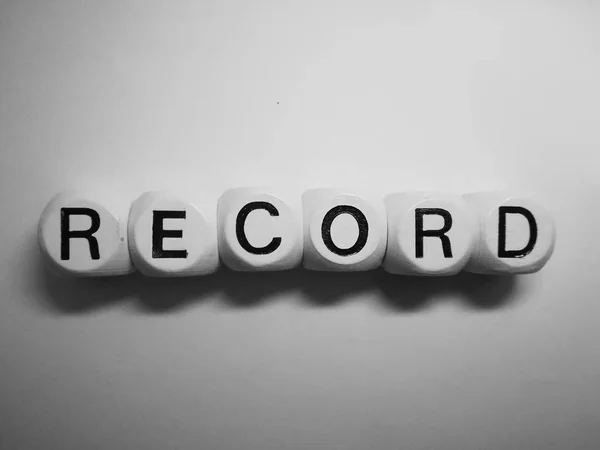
<point x="278" y="103"/>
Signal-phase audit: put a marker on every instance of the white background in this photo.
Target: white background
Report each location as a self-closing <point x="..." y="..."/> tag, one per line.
<point x="128" y="96"/>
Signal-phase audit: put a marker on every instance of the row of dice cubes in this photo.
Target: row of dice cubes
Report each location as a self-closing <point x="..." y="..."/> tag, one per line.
<point x="258" y="229"/>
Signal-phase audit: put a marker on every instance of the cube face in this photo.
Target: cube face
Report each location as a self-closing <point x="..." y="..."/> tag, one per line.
<point x="343" y="231"/>
<point x="428" y="234"/>
<point x="171" y="237"/>
<point x="259" y="230"/>
<point x="515" y="235"/>
<point x="82" y="236"/>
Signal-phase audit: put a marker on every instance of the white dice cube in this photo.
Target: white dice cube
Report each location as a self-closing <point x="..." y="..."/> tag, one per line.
<point x="429" y="233"/>
<point x="169" y="236"/>
<point x="514" y="234"/>
<point x="260" y="229"/>
<point x="85" y="234"/>
<point x="343" y="231"/>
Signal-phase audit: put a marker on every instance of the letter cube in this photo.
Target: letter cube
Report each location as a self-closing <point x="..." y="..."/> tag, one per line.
<point x="429" y="233"/>
<point x="259" y="229"/>
<point x="170" y="236"/>
<point x="83" y="236"/>
<point x="514" y="234"/>
<point x="343" y="231"/>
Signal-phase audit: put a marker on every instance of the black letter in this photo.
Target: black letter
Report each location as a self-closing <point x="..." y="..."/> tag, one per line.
<point x="363" y="229"/>
<point x="441" y="233"/>
<point x="158" y="234"/>
<point x="502" y="212"/>
<point x="66" y="234"/>
<point x="241" y="235"/>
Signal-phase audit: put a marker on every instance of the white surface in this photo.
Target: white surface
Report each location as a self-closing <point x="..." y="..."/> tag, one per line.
<point x="389" y="95"/>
